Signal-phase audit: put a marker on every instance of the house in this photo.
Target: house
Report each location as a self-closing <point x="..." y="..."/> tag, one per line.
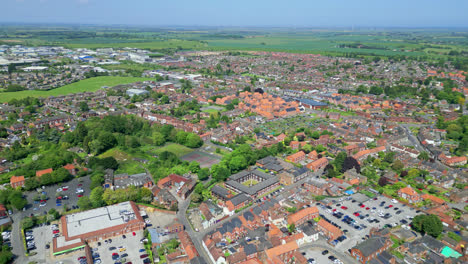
<point x="164" y="198"/>
<point x="281" y="253"/>
<point x="302" y="216"/>
<point x="293" y="175"/>
<point x="328" y="230"/>
<point x="39" y="173"/>
<point x="452" y="161"/>
<point x="220" y="193"/>
<point x="296" y="157"/>
<point x="370" y="248"/>
<point x="409" y="194"/>
<point x="353" y="178"/>
<point x="434" y="200"/>
<point x="71" y="169"/>
<point x="16" y="181"/>
<point x="317" y="186"/>
<point x="237" y="202"/>
<point x="318" y="164"/>
<point x="310" y="232"/>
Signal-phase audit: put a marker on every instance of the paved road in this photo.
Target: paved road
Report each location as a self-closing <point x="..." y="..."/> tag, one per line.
<point x="16" y="243"/>
<point x="321" y="244"/>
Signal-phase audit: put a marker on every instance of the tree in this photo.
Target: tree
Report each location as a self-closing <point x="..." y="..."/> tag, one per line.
<point x="423" y="155"/>
<point x="203" y="174"/>
<point x="84" y="203"/>
<point x="292" y="228"/>
<point x="220" y="172"/>
<point x="16" y="200"/>
<point x="398" y="165"/>
<point x="350" y="163"/>
<point x="194" y="166"/>
<point x="339" y="160"/>
<point x="27" y="222"/>
<point x="96" y="197"/>
<point x="193" y="141"/>
<point x="237" y="163"/>
<point x="429" y="224"/>
<point x="158" y="139"/>
<point x="84" y="107"/>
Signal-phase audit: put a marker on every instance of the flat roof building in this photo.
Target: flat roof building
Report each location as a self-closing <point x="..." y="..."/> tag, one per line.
<point x="97" y="224"/>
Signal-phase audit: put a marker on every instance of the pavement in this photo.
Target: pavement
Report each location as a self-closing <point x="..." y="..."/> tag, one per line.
<point x="16" y="243"/>
<point x="314" y="250"/>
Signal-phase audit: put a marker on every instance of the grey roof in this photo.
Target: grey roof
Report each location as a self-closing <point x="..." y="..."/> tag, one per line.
<point x="385" y="257"/>
<point x="267" y="180"/>
<point x="220" y="191"/>
<point x="238" y="199"/>
<point x="312" y="102"/>
<point x="371" y="245"/>
<point x="250" y="249"/>
<point x="431" y="243"/>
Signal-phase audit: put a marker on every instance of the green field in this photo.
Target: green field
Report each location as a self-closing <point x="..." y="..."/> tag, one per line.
<point x="88" y="85"/>
<point x="152" y="45"/>
<point x="175" y="148"/>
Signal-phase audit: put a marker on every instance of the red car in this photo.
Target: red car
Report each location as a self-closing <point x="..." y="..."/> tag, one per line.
<point x="82" y="257"/>
<point x="367" y="208"/>
<point x="115" y="254"/>
<point x="143" y="256"/>
<point x="344" y="207"/>
<point x="334" y="210"/>
<point x="390" y="206"/>
<point x="79" y="185"/>
<point x="363" y="206"/>
<point x="356" y="214"/>
<point x="134" y="234"/>
<point x="80" y="195"/>
<point x="65" y="189"/>
<point x="56" y="231"/>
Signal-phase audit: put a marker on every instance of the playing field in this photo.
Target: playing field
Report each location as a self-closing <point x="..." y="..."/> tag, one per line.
<point x="175" y="148"/>
<point x="206" y="160"/>
<point x="87" y="85"/>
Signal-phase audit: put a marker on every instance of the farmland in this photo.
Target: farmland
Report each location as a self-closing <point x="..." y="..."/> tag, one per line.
<point x="88" y="85"/>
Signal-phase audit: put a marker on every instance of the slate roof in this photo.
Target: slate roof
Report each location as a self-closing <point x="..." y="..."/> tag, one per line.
<point x="250" y="249"/>
<point x="238" y="199"/>
<point x="268" y="180"/>
<point x="371" y="245"/>
<point x="220" y="191"/>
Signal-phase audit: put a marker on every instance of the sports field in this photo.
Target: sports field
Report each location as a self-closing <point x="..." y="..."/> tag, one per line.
<point x="87" y="85"/>
<point x="206" y="160"/>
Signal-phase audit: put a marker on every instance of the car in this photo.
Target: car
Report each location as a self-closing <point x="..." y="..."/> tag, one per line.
<point x="99" y="244"/>
<point x="65" y="188"/>
<point x="334" y="210"/>
<point x="79" y="185"/>
<point x="344" y="207"/>
<point x="143" y="256"/>
<point x="80" y="195"/>
<point x="42" y="204"/>
<point x="367" y="208"/>
<point x="59" y="190"/>
<point x="146" y="260"/>
<point x="55" y="231"/>
<point x="112" y="248"/>
<point x="390" y="206"/>
<point x="142" y="250"/>
<point x="122" y="249"/>
<point x="124" y="255"/>
<point x="82" y="257"/>
<point x="332" y="258"/>
<point x="124" y="236"/>
<point x="375" y="198"/>
<point x="58" y="204"/>
<point x="324" y="252"/>
<point x="133" y="233"/>
<point x="362" y="206"/>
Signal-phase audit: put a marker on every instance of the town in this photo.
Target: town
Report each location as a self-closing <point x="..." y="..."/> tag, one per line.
<point x="229" y="145"/>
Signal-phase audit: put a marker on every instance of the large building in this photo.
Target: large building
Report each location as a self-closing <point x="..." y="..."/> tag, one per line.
<point x="97" y="224"/>
<point x="253" y="183"/>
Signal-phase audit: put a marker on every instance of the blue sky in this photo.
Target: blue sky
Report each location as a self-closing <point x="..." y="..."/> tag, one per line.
<point x="310" y="13"/>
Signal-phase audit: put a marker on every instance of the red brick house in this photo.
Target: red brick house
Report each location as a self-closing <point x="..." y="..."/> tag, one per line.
<point x="296" y="157"/>
<point x="302" y="216"/>
<point x="318" y="164"/>
<point x="330" y="231"/>
<point x="409" y="194"/>
<point x="370" y="248"/>
<point x="17" y="181"/>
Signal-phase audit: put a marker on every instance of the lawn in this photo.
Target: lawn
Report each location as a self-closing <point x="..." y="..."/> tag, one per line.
<point x="88" y="85"/>
<point x="250" y="183"/>
<point x="175" y="148"/>
<point x="117" y="154"/>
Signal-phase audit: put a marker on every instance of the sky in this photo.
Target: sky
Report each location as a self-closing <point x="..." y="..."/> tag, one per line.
<point x="284" y="13"/>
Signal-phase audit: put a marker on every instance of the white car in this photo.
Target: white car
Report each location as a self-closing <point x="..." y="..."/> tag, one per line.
<point x="59" y="189"/>
<point x="394" y="201"/>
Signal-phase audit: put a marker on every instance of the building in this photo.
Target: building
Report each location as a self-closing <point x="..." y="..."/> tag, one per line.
<point x="311" y="104"/>
<point x="370" y="248"/>
<point x="296" y="157"/>
<point x="259" y="183"/>
<point x="409" y="194"/>
<point x="237" y="202"/>
<point x="39" y="173"/>
<point x="302" y="216"/>
<point x="318" y="164"/>
<point x="123" y="180"/>
<point x="139" y="92"/>
<point x="328" y="230"/>
<point x="97" y="224"/>
<point x="281" y="253"/>
<point x="16" y="181"/>
<point x="317" y="186"/>
<point x="291" y="176"/>
<point x="452" y="161"/>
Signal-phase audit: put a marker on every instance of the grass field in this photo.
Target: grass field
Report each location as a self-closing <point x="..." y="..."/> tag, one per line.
<point x="250" y="183"/>
<point x="153" y="45"/>
<point x="88" y="85"/>
<point x="117" y="154"/>
<point x="175" y="148"/>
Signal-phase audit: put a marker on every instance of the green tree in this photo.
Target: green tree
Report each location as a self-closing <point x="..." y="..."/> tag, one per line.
<point x="158" y="139"/>
<point x="432" y="225"/>
<point x="423" y="155"/>
<point x="96" y="197"/>
<point x="291" y="228"/>
<point x="84" y="107"/>
<point x="84" y="203"/>
<point x="203" y="174"/>
<point x="193" y="141"/>
<point x="194" y="166"/>
<point x="16" y="200"/>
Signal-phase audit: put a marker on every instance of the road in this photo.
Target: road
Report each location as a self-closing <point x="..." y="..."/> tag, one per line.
<point x="321" y="244"/>
<point x="16" y="243"/>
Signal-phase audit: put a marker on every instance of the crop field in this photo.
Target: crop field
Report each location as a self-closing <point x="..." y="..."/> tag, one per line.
<point x="87" y="85"/>
<point x="151" y="45"/>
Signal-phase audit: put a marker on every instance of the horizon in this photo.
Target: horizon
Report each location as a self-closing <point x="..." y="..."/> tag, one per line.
<point x="242" y="13"/>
